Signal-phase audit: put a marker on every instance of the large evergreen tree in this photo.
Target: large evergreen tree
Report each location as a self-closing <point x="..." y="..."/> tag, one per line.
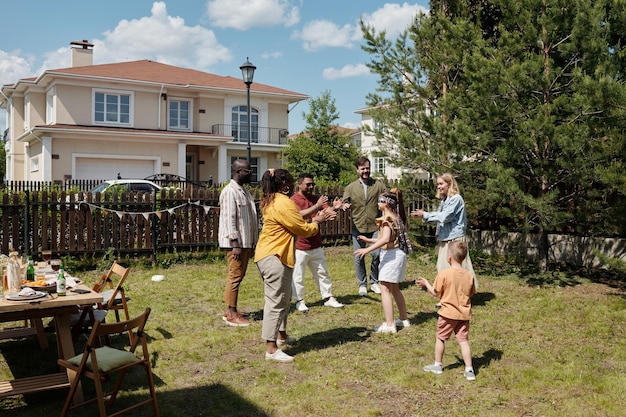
<point x="524" y="100"/>
<point x="323" y="149"/>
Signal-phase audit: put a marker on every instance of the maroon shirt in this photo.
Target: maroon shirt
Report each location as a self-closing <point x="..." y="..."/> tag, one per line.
<point x="303" y="203"/>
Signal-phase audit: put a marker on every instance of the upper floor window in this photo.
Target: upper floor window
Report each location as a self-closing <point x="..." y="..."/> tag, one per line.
<point x="180" y="114"/>
<point x="240" y="124"/>
<point x="379" y="165"/>
<point x="113" y="107"/>
<point x="379" y="126"/>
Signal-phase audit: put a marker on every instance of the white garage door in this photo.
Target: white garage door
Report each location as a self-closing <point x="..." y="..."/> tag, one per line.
<point x="108" y="168"/>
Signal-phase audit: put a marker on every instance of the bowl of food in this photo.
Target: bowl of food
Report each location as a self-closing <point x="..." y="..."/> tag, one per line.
<point x="41" y="285"/>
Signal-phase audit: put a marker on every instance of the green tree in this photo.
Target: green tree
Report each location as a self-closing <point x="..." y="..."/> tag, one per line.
<point x="323" y="149"/>
<point x="524" y="100"/>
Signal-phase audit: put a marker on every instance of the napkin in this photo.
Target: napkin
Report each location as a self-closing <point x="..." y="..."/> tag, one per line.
<point x="26" y="291"/>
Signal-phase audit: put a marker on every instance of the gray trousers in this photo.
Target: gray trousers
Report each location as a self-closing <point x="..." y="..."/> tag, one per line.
<point x="277" y="279"/>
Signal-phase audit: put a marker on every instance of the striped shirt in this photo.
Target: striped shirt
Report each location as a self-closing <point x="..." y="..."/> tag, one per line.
<point x="238" y="217"/>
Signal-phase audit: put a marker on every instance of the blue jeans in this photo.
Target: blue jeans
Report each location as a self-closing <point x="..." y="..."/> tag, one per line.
<point x="359" y="263"/>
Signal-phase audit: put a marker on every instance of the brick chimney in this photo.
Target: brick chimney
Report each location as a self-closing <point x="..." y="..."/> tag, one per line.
<point x="82" y="53"/>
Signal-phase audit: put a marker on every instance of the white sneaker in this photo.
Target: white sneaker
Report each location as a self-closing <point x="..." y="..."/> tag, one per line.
<point x="332" y="302"/>
<point x="362" y="291"/>
<point x="278" y="356"/>
<point x="384" y="328"/>
<point x="300" y="306"/>
<point x="375" y="288"/>
<point x="402" y="323"/>
<point x="288" y="341"/>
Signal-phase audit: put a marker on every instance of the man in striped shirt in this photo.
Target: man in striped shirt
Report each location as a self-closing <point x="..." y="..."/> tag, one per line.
<point x="238" y="235"/>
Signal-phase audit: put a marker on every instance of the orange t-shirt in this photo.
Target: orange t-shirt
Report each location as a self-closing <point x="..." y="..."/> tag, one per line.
<point x="455" y="287"/>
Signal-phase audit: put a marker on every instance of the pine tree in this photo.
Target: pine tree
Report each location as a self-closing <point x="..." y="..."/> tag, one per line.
<point x="525" y="101"/>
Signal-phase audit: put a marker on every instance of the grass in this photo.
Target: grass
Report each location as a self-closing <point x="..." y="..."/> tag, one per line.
<point x="538" y="350"/>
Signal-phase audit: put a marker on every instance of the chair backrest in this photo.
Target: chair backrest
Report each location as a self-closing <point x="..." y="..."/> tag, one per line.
<point x="116" y="290"/>
<point x="134" y="327"/>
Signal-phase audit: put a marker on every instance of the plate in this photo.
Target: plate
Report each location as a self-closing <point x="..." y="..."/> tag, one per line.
<point x="17" y="297"/>
<point x="50" y="288"/>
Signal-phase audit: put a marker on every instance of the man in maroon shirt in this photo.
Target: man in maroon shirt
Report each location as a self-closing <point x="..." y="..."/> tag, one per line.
<point x="309" y="250"/>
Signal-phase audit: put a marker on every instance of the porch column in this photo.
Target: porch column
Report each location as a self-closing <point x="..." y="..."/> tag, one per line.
<point x="45" y="165"/>
<point x="223" y="165"/>
<point x="182" y="159"/>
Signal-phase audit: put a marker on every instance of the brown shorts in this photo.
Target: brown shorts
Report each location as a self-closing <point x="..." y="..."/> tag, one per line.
<point x="446" y="326"/>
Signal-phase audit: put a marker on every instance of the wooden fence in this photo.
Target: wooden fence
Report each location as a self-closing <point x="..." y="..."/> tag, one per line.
<point x="129" y="223"/>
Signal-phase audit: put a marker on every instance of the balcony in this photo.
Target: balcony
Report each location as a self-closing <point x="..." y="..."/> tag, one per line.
<point x="264" y="135"/>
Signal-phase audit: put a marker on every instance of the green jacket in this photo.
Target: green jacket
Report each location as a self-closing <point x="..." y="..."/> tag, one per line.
<point x="364" y="210"/>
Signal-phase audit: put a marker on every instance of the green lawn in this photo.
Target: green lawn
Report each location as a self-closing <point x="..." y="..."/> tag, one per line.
<point x="543" y="350"/>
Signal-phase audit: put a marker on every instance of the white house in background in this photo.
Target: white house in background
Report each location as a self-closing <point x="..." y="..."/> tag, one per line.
<point x="366" y="144"/>
<point x="137" y="119"/>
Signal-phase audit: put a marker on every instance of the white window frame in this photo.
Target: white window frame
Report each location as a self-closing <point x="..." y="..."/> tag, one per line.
<point x="119" y="93"/>
<point x="379" y="162"/>
<point x="238" y="128"/>
<point x="34" y="164"/>
<point x="187" y="128"/>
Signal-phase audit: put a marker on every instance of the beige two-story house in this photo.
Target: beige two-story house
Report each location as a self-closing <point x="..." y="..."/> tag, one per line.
<point x="135" y="119"/>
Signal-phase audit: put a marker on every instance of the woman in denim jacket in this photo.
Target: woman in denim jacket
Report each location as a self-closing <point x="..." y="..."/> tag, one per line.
<point x="451" y="221"/>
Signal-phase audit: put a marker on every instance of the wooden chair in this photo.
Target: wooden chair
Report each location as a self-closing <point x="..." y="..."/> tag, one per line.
<point x="97" y="363"/>
<point x="114" y="298"/>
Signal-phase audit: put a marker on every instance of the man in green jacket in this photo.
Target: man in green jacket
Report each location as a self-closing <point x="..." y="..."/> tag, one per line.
<point x="362" y="195"/>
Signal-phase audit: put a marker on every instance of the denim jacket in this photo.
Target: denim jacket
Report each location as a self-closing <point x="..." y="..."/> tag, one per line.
<point x="450" y="217"/>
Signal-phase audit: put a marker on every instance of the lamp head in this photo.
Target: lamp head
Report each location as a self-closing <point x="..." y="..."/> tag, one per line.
<point x="247" y="71"/>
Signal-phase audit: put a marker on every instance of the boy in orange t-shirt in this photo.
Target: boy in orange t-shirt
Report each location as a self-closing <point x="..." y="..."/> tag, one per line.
<point x="454" y="287"/>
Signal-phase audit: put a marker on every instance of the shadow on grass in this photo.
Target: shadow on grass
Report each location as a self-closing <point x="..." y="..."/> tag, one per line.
<point x="478" y="362"/>
<point x="482" y="298"/>
<point x="215" y="400"/>
<point x="329" y="338"/>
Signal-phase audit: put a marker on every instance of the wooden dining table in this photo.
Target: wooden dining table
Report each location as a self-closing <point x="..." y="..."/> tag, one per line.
<point x="61" y="308"/>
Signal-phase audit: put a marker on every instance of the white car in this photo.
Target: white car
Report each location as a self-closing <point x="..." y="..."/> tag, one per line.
<point x="126" y="185"/>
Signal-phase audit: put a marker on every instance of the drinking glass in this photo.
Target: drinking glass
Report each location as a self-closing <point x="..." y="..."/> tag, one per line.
<point x="55" y="264"/>
<point x="46" y="255"/>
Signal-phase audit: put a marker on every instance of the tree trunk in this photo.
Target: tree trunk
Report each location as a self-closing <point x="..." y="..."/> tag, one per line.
<point x="543" y="250"/>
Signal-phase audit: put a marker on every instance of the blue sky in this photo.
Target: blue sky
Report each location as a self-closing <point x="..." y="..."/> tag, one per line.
<point x="306" y="46"/>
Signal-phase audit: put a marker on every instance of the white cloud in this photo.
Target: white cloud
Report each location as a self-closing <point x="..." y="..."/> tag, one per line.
<point x="161" y="37"/>
<point x="319" y="34"/>
<point x="245" y="14"/>
<point x="346" y="72"/>
<point x="351" y="125"/>
<point x="13" y="66"/>
<point x="393" y="17"/>
<point x="274" y="55"/>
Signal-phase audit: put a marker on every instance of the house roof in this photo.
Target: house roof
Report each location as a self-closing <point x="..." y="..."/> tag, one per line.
<point x="153" y="72"/>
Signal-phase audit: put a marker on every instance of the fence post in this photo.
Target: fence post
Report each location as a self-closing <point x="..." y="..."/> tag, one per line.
<point x="26" y="222"/>
<point x="154" y="217"/>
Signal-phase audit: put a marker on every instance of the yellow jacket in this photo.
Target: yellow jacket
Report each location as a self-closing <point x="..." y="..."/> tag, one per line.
<point x="282" y="222"/>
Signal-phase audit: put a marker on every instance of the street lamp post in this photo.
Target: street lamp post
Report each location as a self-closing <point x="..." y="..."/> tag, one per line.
<point x="247" y="70"/>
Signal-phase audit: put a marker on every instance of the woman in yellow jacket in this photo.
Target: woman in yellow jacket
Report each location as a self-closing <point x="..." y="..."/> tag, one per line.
<point x="275" y="255"/>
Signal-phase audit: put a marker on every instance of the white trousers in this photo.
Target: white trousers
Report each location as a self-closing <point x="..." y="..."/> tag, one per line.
<point x="316" y="261"/>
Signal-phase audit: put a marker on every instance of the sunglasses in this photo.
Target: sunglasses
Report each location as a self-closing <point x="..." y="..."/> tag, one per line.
<point x="309" y="184"/>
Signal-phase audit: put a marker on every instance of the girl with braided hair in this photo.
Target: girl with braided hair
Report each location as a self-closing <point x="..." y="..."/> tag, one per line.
<point x="394" y="245"/>
<point x="275" y="256"/>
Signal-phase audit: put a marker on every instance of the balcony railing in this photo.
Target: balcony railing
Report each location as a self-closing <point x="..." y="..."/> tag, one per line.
<point x="265" y="135"/>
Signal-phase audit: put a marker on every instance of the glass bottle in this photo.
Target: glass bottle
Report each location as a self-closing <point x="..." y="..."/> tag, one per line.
<point x="30" y="270"/>
<point x="61" y="288"/>
<point x="14" y="273"/>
